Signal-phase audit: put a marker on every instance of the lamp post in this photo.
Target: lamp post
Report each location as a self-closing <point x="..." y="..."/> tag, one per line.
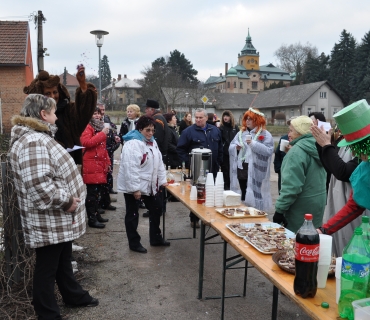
<point x="99" y="39"/>
<point x="186" y="95"/>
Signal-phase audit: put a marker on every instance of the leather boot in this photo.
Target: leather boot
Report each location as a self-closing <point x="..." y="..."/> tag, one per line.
<point x="93" y="223"/>
<point x="100" y="218"/>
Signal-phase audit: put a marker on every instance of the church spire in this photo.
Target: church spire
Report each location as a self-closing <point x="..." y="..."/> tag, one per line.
<point x="248" y="47"/>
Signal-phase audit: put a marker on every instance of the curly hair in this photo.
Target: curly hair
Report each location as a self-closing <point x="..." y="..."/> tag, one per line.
<point x="168" y="116"/>
<point x="135" y="108"/>
<point x="259" y="121"/>
<point x="34" y="103"/>
<point x="144" y="122"/>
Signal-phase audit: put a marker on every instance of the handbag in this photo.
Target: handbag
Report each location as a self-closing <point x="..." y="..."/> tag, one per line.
<point x="242" y="174"/>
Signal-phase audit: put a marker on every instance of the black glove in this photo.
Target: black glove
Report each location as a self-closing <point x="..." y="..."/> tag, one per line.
<point x="280" y="219"/>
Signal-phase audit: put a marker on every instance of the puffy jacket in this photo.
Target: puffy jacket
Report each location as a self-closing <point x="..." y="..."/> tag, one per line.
<point x="142" y="169"/>
<point x="173" y="159"/>
<point x="46" y="179"/>
<point x="195" y="137"/>
<point x="227" y="133"/>
<point x="96" y="160"/>
<point x="303" y="180"/>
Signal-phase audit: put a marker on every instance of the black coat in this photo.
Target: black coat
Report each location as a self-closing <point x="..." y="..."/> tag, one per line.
<point x="182" y="126"/>
<point x="124" y="128"/>
<point x="172" y="155"/>
<point x="228" y="133"/>
<point x="161" y="133"/>
<point x="279" y="155"/>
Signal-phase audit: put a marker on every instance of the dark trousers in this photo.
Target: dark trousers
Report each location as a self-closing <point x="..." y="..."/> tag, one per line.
<point x="53" y="263"/>
<point x="225" y="167"/>
<point x="155" y="205"/>
<point x="243" y="187"/>
<point x="92" y="198"/>
<point x="104" y="201"/>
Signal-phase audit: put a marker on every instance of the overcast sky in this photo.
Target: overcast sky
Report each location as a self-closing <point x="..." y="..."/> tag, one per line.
<point x="209" y="33"/>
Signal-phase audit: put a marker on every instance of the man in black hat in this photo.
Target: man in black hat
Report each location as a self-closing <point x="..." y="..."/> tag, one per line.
<point x="161" y="135"/>
<point x="161" y="128"/>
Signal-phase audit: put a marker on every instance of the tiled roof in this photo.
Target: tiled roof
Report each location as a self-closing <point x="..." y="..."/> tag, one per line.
<point x="13" y="42"/>
<point x="71" y="80"/>
<point x="124" y="83"/>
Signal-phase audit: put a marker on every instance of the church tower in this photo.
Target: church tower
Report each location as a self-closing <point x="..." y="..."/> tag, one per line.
<point x="249" y="57"/>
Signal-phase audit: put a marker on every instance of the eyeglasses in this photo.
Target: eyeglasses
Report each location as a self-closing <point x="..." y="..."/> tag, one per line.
<point x="249" y="119"/>
<point x="149" y="130"/>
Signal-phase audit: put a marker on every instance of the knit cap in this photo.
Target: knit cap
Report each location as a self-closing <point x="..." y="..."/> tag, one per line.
<point x="302" y="124"/>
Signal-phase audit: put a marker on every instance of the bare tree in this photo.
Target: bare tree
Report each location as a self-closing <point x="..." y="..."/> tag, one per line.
<point x="292" y="56"/>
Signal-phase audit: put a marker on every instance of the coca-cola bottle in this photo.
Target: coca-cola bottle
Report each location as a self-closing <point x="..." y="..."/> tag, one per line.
<point x="306" y="259"/>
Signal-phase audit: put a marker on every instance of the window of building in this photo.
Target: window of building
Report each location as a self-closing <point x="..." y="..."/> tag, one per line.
<point x="241" y="62"/>
<point x="335" y="110"/>
<point x="228" y="84"/>
<point x="322" y="95"/>
<point x="120" y="100"/>
<point x="308" y="111"/>
<point x="254" y="85"/>
<point x="323" y="111"/>
<point x="291" y="112"/>
<point x="241" y="85"/>
<point x="234" y="84"/>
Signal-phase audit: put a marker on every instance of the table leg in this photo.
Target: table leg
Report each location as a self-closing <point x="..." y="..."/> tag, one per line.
<point x="245" y="278"/>
<point x="201" y="259"/>
<point x="164" y="226"/>
<point x="223" y="280"/>
<point x="275" y="297"/>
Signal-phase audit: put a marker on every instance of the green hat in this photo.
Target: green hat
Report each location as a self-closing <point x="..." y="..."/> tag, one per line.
<point x="354" y="122"/>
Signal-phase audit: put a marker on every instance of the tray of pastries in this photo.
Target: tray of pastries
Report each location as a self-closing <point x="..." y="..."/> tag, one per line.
<point x="241" y="212"/>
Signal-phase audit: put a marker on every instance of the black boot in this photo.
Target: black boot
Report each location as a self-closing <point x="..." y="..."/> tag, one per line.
<point x="100" y="218"/>
<point x="93" y="223"/>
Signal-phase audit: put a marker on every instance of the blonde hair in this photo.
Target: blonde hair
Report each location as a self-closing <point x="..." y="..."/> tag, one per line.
<point x="135" y="108"/>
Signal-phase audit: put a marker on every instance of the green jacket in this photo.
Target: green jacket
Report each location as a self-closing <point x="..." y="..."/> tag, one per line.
<point x="303" y="181"/>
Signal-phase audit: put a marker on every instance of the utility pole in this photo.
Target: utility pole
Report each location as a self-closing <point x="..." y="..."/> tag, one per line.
<point x="40" y="42"/>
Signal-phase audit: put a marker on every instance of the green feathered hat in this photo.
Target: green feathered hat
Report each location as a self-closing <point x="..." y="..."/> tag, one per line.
<point x="354" y="122"/>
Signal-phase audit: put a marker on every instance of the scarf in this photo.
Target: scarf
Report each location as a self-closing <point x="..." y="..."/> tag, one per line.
<point x="98" y="125"/>
<point x="136" y="135"/>
<point x="131" y="127"/>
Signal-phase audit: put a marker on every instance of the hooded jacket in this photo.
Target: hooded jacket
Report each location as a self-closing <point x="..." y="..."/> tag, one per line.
<point x="46" y="180"/>
<point x="143" y="169"/>
<point x="303" y="179"/>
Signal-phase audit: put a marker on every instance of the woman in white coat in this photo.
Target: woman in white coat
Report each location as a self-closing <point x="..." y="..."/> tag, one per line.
<point x="141" y="175"/>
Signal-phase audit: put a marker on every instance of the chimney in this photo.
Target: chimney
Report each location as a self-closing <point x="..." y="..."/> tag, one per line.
<point x="226" y="68"/>
<point x="125" y="76"/>
<point x="119" y="77"/>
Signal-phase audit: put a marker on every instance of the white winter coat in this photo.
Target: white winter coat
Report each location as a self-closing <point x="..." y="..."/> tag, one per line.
<point x="141" y="168"/>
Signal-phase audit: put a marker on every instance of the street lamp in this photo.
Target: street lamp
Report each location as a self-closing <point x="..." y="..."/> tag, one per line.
<point x="99" y="39"/>
<point x="187" y="95"/>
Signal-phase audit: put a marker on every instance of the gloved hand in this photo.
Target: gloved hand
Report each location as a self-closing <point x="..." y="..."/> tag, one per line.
<point x="280" y="219"/>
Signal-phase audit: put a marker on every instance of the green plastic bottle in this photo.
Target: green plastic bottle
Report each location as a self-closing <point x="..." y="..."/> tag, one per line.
<point x="354" y="274"/>
<point x="365" y="229"/>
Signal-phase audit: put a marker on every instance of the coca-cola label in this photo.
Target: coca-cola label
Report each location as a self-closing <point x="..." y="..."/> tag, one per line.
<point x="307" y="252"/>
<point x="350" y="269"/>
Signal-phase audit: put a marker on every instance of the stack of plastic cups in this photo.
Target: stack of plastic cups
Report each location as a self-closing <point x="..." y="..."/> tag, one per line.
<point x="210" y="191"/>
<point x="219" y="190"/>
<point x="338" y="273"/>
<point x="324" y="260"/>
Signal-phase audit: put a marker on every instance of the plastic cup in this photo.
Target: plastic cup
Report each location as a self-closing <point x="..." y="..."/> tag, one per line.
<point x="338" y="272"/>
<point x="248" y="137"/>
<point x="220" y="179"/>
<point x="209" y="180"/>
<point x="324" y="259"/>
<point x="283" y="144"/>
<point x="193" y="193"/>
<point x="322" y="275"/>
<point x="107" y="125"/>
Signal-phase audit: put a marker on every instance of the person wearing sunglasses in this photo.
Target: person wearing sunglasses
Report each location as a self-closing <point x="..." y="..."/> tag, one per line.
<point x="142" y="175"/>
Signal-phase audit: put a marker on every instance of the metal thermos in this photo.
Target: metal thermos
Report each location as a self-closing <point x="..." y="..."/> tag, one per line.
<point x="197" y="157"/>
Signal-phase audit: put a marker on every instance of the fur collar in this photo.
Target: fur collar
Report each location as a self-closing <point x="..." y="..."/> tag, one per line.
<point x="32" y="123"/>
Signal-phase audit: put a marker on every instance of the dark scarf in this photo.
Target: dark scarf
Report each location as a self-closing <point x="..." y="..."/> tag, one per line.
<point x="98" y="125"/>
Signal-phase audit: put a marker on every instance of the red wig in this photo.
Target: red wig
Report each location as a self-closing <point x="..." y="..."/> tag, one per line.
<point x="259" y="120"/>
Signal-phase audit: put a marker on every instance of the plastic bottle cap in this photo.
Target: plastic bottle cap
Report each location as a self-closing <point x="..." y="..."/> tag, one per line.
<point x="325" y="305"/>
<point x="365" y="219"/>
<point x="308" y="216"/>
<point x="358" y="231"/>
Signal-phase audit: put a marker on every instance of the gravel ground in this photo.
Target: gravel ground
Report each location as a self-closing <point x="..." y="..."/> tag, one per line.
<point x="163" y="284"/>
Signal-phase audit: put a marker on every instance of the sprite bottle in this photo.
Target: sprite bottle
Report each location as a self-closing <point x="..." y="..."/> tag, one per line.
<point x="354" y="274"/>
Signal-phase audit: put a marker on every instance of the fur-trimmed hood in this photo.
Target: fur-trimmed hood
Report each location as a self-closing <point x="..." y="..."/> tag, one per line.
<point x="22" y="125"/>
